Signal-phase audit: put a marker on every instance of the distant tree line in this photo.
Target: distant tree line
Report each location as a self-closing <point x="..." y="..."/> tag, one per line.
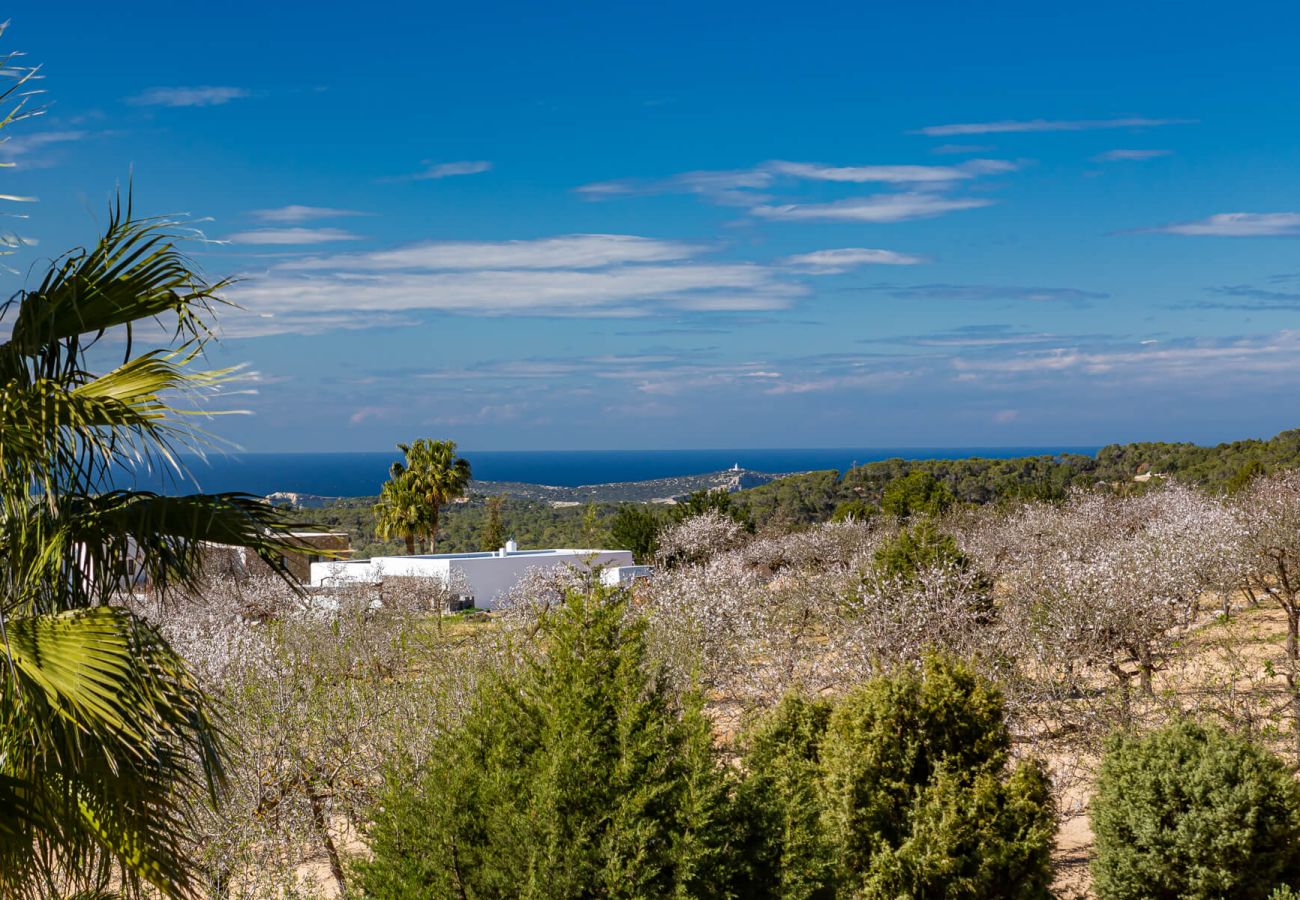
<point x="896" y="488"/>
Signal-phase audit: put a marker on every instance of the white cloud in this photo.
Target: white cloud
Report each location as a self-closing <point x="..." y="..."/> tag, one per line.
<point x="741" y="187"/>
<point x="1210" y="360"/>
<point x="188" y="96"/>
<point x="295" y="213"/>
<point x="1032" y="125"/>
<point x="830" y="262"/>
<point x="435" y="171"/>
<point x="1130" y="155"/>
<point x="292" y="236"/>
<point x="25" y="148"/>
<point x="573" y="251"/>
<point x="1239" y="224"/>
<point x="879" y="208"/>
<point x="890" y="174"/>
<point x="575" y="275"/>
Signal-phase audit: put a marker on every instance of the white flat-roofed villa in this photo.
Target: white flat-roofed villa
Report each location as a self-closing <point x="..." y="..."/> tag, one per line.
<point x="489" y="575"/>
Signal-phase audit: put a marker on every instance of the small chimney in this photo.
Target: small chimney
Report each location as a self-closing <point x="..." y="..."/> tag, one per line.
<point x="511" y="547"/>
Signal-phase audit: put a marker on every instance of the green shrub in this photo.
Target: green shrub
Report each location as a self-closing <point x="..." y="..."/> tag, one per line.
<point x="917" y="548"/>
<point x="787" y="853"/>
<point x="900" y="790"/>
<point x="917" y="493"/>
<point x="577" y="776"/>
<point x="1193" y="812"/>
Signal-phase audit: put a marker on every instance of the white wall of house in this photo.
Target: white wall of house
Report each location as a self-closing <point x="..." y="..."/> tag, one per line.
<point x="489" y="575"/>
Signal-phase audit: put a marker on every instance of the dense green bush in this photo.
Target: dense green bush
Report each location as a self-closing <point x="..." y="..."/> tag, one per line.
<point x="580" y="772"/>
<point x="902" y="789"/>
<point x="917" y="493"/>
<point x="917" y="548"/>
<point x="1193" y="812"/>
<point x="579" y="775"/>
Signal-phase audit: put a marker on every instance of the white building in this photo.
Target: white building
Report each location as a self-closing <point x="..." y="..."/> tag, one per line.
<point x="489" y="575"/>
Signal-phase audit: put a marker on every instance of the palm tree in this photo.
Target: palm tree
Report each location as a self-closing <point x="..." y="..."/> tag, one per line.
<point x="107" y="744"/>
<point x="398" y="514"/>
<point x="431" y="476"/>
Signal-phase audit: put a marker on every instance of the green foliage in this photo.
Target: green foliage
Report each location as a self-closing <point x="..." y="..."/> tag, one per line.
<point x="1285" y="892"/>
<point x="579" y="774"/>
<point x="636" y="528"/>
<point x="814" y="496"/>
<point x="917" y="548"/>
<point x="719" y="501"/>
<point x="1244" y="476"/>
<point x="493" y="535"/>
<point x="899" y="790"/>
<point x="108" y="748"/>
<point x="1190" y="811"/>
<point x="915" y="494"/>
<point x="857" y="510"/>
<point x="431" y="476"/>
<point x="787" y="851"/>
<point x="795" y="499"/>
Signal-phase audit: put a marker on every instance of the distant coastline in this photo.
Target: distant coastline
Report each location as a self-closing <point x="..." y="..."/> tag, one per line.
<point x="361" y="474"/>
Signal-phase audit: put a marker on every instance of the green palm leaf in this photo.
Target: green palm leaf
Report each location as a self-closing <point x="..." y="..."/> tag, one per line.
<point x="107" y="744"/>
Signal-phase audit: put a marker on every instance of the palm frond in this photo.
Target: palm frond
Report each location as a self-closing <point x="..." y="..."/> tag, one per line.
<point x="90" y="548"/>
<point x="106" y="738"/>
<point x="134" y="272"/>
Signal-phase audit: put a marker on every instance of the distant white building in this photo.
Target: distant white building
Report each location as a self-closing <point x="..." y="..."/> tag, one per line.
<point x="622" y="576"/>
<point x="489" y="575"/>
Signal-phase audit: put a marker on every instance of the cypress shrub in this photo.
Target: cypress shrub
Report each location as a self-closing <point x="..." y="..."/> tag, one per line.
<point x="902" y="789"/>
<point x="578" y="776"/>
<point x="1190" y="811"/>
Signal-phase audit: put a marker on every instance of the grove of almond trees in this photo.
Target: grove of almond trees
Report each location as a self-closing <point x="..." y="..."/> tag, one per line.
<point x="1113" y="612"/>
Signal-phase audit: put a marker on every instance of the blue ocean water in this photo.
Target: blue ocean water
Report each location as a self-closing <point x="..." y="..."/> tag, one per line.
<point x="361" y="474"/>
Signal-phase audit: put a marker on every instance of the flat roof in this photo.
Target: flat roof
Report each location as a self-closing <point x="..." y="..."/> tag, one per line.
<point x="492" y="554"/>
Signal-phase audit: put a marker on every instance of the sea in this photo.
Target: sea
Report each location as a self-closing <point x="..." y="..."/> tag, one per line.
<point x="361" y="474"/>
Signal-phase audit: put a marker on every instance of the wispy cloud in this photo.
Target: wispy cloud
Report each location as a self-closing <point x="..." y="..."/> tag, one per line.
<point x="1239" y="224"/>
<point x="830" y="262"/>
<point x="1031" y="125"/>
<point x="1192" y="361"/>
<point x="188" y="96"/>
<point x="577" y="275"/>
<point x="881" y="208"/>
<point x="1130" y="155"/>
<point x="742" y="187"/>
<point x="982" y="337"/>
<point x="960" y="149"/>
<point x="572" y="251"/>
<point x="295" y="213"/>
<point x="892" y="174"/>
<point x="434" y="171"/>
<point x="1248" y="298"/>
<point x="28" y="148"/>
<point x="292" y="236"/>
<point x="986" y="292"/>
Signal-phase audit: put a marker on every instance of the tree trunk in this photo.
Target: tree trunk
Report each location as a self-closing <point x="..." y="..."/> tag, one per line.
<point x="323" y="831"/>
<point x="1125" y="701"/>
<point x="410" y="545"/>
<point x="1146" y="670"/>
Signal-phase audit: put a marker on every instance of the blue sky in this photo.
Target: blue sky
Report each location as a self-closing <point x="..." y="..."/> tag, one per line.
<point x="609" y="226"/>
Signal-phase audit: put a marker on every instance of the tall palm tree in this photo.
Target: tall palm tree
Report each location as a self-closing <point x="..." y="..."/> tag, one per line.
<point x="107" y="744"/>
<point x="431" y="476"/>
<point x="398" y="512"/>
